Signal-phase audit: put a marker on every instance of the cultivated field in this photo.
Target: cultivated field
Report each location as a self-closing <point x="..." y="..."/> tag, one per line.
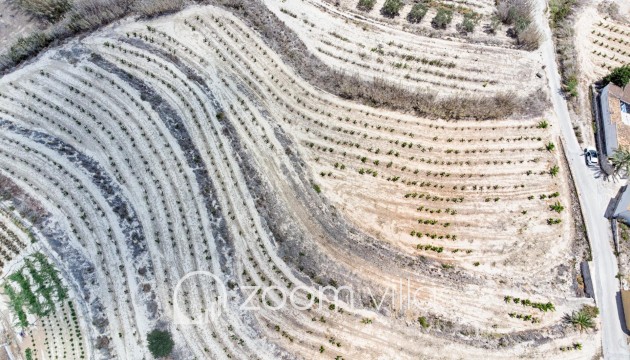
<point x="603" y="43"/>
<point x="154" y="148"/>
<point x="445" y="66"/>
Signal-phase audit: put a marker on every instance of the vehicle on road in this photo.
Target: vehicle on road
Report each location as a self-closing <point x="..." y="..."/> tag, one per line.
<point x="591" y="156"/>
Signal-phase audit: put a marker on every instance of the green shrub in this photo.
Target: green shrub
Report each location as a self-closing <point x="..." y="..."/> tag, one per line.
<point x="27" y="47"/>
<point x="366" y="5"/>
<point x="581" y="320"/>
<point x="619" y="76"/>
<point x="423" y="322"/>
<point x="391" y="8"/>
<point x="560" y="9"/>
<point x="418" y="11"/>
<point x="160" y="343"/>
<point x="570" y="86"/>
<point x="442" y="19"/>
<point x="468" y="23"/>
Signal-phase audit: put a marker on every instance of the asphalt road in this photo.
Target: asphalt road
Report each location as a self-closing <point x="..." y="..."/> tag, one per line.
<point x="594" y="200"/>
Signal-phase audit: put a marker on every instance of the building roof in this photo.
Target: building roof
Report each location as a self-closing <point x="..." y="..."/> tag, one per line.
<point x="615" y="106"/>
<point x="619" y="92"/>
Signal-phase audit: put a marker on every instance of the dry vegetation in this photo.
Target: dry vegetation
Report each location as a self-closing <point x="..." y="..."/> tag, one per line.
<point x="220" y="139"/>
<point x="66" y="18"/>
<point x="440" y="75"/>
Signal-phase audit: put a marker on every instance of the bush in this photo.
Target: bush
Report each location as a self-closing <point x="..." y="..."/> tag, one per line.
<point x="619" y="76"/>
<point x="366" y="5"/>
<point x="559" y="10"/>
<point x="581" y="320"/>
<point x="442" y="19"/>
<point x="160" y="343"/>
<point x="391" y="8"/>
<point x="418" y="11"/>
<point x="26" y="47"/>
<point x="570" y="86"/>
<point x="468" y="24"/>
<point x="49" y="10"/>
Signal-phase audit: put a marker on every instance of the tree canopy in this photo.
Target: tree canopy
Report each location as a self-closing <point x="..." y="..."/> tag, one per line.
<point x="619" y="76"/>
<point x="160" y="343"/>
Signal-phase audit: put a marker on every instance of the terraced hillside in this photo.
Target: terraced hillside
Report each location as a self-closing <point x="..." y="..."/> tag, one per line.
<point x="153" y="149"/>
<point x="444" y="65"/>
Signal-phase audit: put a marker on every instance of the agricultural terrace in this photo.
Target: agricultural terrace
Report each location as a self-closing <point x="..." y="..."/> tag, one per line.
<point x="468" y="20"/>
<point x="14" y="238"/>
<point x="444" y="66"/>
<point x="608" y="45"/>
<point x="184" y="143"/>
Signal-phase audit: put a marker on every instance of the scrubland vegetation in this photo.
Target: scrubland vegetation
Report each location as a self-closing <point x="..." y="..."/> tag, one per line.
<point x="518" y="15"/>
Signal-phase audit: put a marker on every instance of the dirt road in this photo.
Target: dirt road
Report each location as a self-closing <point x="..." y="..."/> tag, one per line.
<point x="594" y="200"/>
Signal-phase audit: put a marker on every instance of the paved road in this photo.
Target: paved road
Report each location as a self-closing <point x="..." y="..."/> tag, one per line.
<point x="594" y="200"/>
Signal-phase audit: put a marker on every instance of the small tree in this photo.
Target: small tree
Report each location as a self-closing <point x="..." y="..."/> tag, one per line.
<point x="468" y="24"/>
<point x="160" y="343"/>
<point x="580" y="320"/>
<point x="619" y="76"/>
<point x="418" y="11"/>
<point x="442" y="19"/>
<point x="366" y="5"/>
<point x="391" y="8"/>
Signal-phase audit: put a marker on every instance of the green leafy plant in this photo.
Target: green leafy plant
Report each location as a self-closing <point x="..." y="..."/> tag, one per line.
<point x="468" y="23"/>
<point x="571" y="86"/>
<point x="442" y="18"/>
<point x="417" y="13"/>
<point x="366" y="5"/>
<point x="557" y="207"/>
<point x="423" y="322"/>
<point x="552" y="221"/>
<point x="619" y="76"/>
<point x="581" y="320"/>
<point x="160" y="343"/>
<point x="391" y="8"/>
